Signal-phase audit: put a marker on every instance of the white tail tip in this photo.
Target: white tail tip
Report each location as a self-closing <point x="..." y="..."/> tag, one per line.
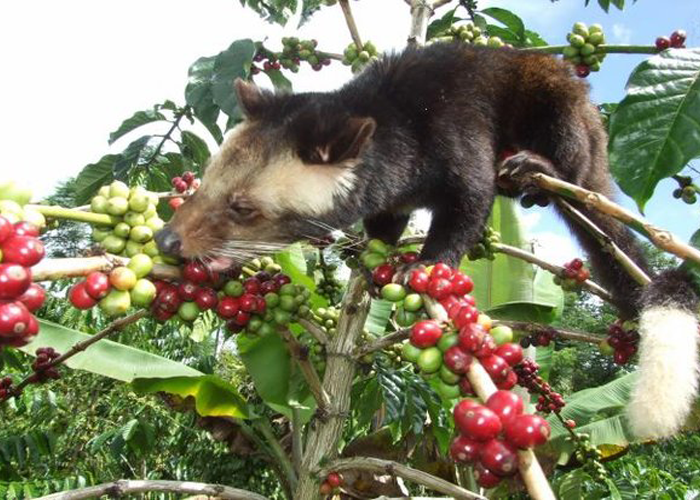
<point x="667" y="382"/>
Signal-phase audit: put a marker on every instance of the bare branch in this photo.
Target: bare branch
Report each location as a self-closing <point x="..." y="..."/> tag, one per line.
<point x="314" y="330"/>
<point x="382" y="343"/>
<point x="113" y="327"/>
<point x="130" y="487"/>
<point x="55" y="269"/>
<point x="519" y="253"/>
<point x="323" y="436"/>
<point x="523" y="326"/>
<point x="660" y="237"/>
<point x="439" y="3"/>
<point x="350" y="21"/>
<point x="421" y="11"/>
<point x="380" y="466"/>
<point x="606" y="242"/>
<point x="301" y="354"/>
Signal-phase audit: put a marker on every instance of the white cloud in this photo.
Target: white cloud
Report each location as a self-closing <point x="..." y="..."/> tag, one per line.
<point x="530" y="220"/>
<point x="555" y="248"/>
<point x="621" y="33"/>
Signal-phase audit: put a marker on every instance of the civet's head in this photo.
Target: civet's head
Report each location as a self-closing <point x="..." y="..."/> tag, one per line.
<point x="286" y="165"/>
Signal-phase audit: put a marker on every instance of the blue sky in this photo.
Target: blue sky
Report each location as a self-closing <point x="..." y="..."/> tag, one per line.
<point x="640" y="23"/>
<point x="71" y="83"/>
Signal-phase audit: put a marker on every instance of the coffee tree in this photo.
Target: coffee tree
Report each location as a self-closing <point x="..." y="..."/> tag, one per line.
<point x="352" y="378"/>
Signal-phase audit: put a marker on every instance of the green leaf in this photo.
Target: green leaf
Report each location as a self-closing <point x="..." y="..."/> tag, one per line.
<point x="509" y="288"/>
<point x="230" y="64"/>
<point x="690" y="266"/>
<point x="198" y="94"/>
<point x="213" y="396"/>
<point x="107" y="358"/>
<point x="379" y="315"/>
<point x="440" y="25"/>
<point x="308" y="9"/>
<point x="508" y="19"/>
<point x="655" y="131"/>
<point x="293" y="264"/>
<point x="139" y="119"/>
<point x="534" y="39"/>
<point x="195" y="148"/>
<point x="129" y="429"/>
<point x="604" y="4"/>
<point x="276" y="380"/>
<point x="279" y="80"/>
<point x="366" y="400"/>
<point x="598" y="411"/>
<point x="92" y="177"/>
<point x="571" y="485"/>
<point x="130" y="157"/>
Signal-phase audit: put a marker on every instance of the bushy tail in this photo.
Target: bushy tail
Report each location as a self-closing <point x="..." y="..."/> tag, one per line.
<point x="667" y="382"/>
<point x="668" y="369"/>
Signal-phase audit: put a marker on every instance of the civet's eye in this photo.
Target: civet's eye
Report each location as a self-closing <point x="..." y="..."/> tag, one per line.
<point x="242" y="211"/>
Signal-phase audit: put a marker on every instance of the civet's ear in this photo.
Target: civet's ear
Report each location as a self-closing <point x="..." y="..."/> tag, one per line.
<point x="346" y="143"/>
<point x="251" y="98"/>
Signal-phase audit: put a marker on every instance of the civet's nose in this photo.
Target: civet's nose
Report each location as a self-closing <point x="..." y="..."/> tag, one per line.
<point x="168" y="242"/>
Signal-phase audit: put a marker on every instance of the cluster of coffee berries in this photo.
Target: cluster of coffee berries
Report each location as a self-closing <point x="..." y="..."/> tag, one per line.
<point x="446" y="355"/>
<point x="377" y="253"/>
<point x="326" y="318"/>
<point x="542" y="337"/>
<point x="469" y="33"/>
<point x="621" y="342"/>
<point x="327" y="284"/>
<point x="14" y="198"/>
<point x="136" y="220"/>
<point x="686" y="191"/>
<point x="528" y="377"/>
<point x="572" y="276"/>
<point x="491" y="434"/>
<point x="675" y="41"/>
<point x="584" y="50"/>
<point x="185" y="184"/>
<point x="5" y="388"/>
<point x="484" y="249"/>
<point x="20" y="249"/>
<point x="294" y="51"/>
<point x="589" y="456"/>
<point x="43" y="370"/>
<point x="116" y="292"/>
<point x="333" y="481"/>
<point x="257" y="304"/>
<point x="358" y="57"/>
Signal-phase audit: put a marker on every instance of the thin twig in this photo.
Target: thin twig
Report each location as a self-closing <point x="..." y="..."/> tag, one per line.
<point x="519" y="253"/>
<point x="526" y="327"/>
<point x="132" y="487"/>
<point x="297" y="441"/>
<point x="382" y="343"/>
<point x="350" y="21"/>
<point x="264" y="427"/>
<point x="301" y="354"/>
<point x="379" y="466"/>
<point x="660" y="237"/>
<point x="113" y="327"/>
<point x="439" y="3"/>
<point x="315" y="330"/>
<point x="606" y="242"/>
<point x="55" y="269"/>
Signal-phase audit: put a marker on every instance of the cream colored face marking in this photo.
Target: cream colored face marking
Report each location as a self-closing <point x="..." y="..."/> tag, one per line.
<point x="275" y="181"/>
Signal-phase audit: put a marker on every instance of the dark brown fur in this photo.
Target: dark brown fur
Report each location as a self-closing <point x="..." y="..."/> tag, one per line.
<point x="425" y="128"/>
